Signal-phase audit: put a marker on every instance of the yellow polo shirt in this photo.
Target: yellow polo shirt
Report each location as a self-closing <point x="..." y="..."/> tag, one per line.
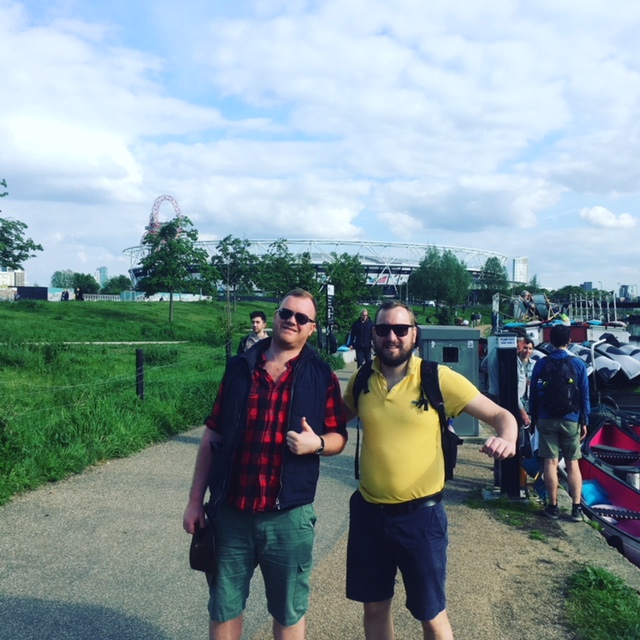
<point x="401" y="457"/>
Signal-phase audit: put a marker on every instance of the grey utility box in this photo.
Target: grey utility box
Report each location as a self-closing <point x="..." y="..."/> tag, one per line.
<point x="457" y="348"/>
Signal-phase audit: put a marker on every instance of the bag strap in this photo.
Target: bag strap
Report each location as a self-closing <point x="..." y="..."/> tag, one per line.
<point x="360" y="384"/>
<point x="430" y="391"/>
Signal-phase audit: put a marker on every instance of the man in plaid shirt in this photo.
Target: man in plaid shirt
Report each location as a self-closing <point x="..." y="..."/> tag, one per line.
<point x="278" y="409"/>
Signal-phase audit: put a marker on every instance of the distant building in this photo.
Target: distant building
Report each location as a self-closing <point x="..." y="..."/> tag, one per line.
<point x="587" y="286"/>
<point x="521" y="270"/>
<point x="102" y="275"/>
<point x="11" y="278"/>
<point x="625" y="292"/>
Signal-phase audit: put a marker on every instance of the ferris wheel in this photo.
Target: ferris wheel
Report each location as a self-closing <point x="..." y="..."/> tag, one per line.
<point x="154" y="218"/>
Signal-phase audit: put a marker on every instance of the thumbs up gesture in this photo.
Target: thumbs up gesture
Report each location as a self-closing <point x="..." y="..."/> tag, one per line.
<point x="307" y="441"/>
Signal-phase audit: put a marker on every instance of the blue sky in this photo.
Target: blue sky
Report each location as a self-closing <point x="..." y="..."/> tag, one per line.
<point x="505" y="126"/>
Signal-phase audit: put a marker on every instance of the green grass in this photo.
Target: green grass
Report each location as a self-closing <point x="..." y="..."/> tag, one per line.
<point x="601" y="607"/>
<point x="76" y="405"/>
<point x="72" y="321"/>
<point x="522" y="514"/>
<point x="68" y="404"/>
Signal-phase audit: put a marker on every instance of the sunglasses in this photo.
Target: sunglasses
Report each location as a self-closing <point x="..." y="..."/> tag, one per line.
<point x="401" y="330"/>
<point x="301" y="318"/>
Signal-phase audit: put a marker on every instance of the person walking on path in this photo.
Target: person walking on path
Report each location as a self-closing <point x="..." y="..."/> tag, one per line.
<point x="559" y="406"/>
<point x="259" y="326"/>
<point x="361" y="338"/>
<point x="397" y="519"/>
<point x="278" y="409"/>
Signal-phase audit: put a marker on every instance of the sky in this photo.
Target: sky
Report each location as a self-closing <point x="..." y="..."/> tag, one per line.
<point x="499" y="125"/>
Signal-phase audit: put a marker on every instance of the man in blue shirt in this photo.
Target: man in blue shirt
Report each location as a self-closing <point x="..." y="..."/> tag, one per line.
<point x="561" y="434"/>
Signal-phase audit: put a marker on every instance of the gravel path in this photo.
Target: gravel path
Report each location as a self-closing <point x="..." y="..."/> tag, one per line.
<point x="102" y="556"/>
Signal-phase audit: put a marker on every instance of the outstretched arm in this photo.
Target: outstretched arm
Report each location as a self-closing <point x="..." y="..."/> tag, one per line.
<point x="503" y="444"/>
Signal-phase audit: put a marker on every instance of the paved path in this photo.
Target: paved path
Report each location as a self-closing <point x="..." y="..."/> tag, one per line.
<point x="102" y="556"/>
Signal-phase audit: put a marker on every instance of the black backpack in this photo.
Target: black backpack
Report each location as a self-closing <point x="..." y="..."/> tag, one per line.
<point x="430" y="395"/>
<point x="558" y="388"/>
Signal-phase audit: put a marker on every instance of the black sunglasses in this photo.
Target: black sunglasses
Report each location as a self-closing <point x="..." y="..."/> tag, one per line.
<point x="401" y="330"/>
<point x="287" y="314"/>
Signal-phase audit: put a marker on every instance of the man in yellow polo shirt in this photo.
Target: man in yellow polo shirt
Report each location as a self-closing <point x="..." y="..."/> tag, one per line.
<point x="397" y="519"/>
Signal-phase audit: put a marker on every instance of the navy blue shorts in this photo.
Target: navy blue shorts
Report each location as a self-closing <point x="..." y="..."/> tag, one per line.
<point x="381" y="543"/>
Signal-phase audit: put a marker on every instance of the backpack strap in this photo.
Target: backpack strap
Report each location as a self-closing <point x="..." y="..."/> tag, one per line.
<point x="430" y="393"/>
<point x="430" y="389"/>
<point x="360" y="384"/>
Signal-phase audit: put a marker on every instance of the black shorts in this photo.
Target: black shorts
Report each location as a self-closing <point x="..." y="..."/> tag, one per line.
<point x="381" y="543"/>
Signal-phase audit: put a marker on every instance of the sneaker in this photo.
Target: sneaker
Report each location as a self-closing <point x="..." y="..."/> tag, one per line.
<point x="576" y="513"/>
<point x="552" y="511"/>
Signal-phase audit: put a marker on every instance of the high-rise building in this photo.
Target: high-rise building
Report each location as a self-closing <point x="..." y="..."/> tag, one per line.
<point x="102" y="275"/>
<point x="587" y="286"/>
<point x="521" y="270"/>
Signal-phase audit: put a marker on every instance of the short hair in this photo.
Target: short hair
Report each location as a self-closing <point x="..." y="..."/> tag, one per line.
<point x="394" y="304"/>
<point x="302" y="293"/>
<point x="528" y="340"/>
<point x="560" y="335"/>
<point x="258" y="314"/>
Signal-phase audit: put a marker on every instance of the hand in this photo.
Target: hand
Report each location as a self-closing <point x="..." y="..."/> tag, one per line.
<point x="498" y="448"/>
<point x="193" y="518"/>
<point x="307" y="441"/>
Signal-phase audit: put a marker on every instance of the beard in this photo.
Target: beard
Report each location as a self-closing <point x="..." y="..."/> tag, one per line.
<point x="395" y="357"/>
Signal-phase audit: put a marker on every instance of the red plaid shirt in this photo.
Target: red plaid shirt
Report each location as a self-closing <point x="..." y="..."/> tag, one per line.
<point x="255" y="483"/>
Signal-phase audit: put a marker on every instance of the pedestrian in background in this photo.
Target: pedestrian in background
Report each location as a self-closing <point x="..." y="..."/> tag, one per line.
<point x="360" y="338"/>
<point x="259" y="326"/>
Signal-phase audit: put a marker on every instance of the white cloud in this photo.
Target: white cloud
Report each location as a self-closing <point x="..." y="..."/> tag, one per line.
<point x="602" y="217"/>
<point x="467" y="124"/>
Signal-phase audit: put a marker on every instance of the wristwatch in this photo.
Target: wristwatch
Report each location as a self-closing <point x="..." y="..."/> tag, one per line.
<point x="321" y="448"/>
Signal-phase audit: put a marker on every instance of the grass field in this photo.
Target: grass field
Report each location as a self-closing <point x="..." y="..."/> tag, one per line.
<point x="67" y="404"/>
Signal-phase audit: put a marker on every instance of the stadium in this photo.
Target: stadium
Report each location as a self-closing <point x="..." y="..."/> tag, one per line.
<point x="388" y="264"/>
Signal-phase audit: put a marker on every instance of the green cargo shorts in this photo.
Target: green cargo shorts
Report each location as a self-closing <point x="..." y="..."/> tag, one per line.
<point x="555" y="436"/>
<point x="281" y="544"/>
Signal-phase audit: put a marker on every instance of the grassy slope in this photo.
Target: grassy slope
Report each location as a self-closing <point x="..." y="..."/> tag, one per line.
<point x="66" y="407"/>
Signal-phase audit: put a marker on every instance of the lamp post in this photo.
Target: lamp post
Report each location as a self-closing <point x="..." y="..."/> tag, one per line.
<point x="600" y="283"/>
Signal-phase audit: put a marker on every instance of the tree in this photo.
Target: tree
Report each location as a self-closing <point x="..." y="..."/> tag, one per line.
<point x="441" y="277"/>
<point x="275" y="271"/>
<point x="425" y="282"/>
<point x="349" y="279"/>
<point x="457" y="279"/>
<point x="235" y="265"/>
<point x="85" y="282"/>
<point x="306" y="275"/>
<point x="568" y="292"/>
<point x="174" y="263"/>
<point x="62" y="279"/>
<point x="115" y="285"/>
<point x="278" y="271"/>
<point x="14" y="247"/>
<point x="493" y="279"/>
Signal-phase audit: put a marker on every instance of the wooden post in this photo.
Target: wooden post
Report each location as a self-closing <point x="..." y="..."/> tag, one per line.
<point x="140" y="373"/>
